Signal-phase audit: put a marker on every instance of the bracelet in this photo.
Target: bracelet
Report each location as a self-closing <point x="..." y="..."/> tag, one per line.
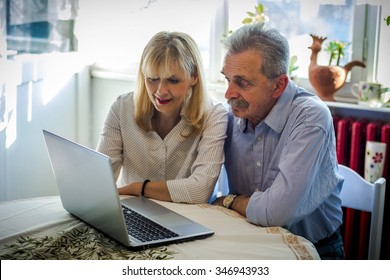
<point x="143" y="187"/>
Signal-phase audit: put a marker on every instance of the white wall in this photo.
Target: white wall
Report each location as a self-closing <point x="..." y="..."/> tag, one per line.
<point x="52" y="93"/>
<point x="104" y="91"/>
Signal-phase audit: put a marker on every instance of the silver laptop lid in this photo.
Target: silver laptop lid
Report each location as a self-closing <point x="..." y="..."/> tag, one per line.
<point x="86" y="185"/>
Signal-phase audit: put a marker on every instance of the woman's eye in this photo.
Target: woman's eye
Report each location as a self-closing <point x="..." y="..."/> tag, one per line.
<point x="153" y="79"/>
<point x="173" y="81"/>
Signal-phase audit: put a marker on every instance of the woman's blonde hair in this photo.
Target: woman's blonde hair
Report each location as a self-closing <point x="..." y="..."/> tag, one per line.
<point x="163" y="50"/>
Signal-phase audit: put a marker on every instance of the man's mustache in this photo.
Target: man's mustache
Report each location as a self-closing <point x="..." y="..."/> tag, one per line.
<point x="240" y="103"/>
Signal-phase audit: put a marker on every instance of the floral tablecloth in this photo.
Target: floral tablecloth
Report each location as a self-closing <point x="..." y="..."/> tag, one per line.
<point x="39" y="228"/>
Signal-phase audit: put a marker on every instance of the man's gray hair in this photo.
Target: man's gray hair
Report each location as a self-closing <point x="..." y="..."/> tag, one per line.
<point x="271" y="45"/>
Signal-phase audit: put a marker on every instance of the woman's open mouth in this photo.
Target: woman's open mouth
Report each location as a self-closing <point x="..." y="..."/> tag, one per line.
<point x="163" y="101"/>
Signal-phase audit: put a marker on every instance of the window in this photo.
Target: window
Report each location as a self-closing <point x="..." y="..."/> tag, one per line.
<point x="115" y="32"/>
<point x="297" y="19"/>
<point x="39" y="26"/>
<point x="350" y="21"/>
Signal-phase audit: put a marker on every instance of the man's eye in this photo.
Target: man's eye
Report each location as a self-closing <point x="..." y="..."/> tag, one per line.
<point x="243" y="83"/>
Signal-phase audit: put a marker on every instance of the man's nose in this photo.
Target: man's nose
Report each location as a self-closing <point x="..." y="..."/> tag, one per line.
<point x="231" y="92"/>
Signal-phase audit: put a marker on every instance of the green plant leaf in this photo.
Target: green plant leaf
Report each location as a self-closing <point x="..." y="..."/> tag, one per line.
<point x="336" y="50"/>
<point x="252" y="17"/>
<point x="387" y="20"/>
<point x="259" y="9"/>
<point x="247" y="20"/>
<point x="293" y="59"/>
<point x="292" y="66"/>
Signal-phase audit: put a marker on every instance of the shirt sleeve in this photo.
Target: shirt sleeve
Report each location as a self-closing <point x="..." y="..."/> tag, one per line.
<point x="199" y="186"/>
<point x="110" y="140"/>
<point x="304" y="179"/>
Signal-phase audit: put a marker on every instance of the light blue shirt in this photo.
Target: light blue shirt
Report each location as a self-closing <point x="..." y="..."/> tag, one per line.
<point x="288" y="165"/>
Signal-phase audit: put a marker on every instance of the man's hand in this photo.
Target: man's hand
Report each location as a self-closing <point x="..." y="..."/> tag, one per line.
<point x="239" y="203"/>
<point x="219" y="201"/>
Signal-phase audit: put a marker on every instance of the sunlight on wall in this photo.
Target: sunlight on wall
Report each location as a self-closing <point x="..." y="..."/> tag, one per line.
<point x="30" y="101"/>
<point x="42" y="77"/>
<point x="8" y="117"/>
<point x="53" y="84"/>
<point x="10" y="129"/>
<point x="8" y="100"/>
<point x="56" y="70"/>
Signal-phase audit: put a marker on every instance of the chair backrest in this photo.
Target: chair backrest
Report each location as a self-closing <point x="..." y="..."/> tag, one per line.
<point x="358" y="193"/>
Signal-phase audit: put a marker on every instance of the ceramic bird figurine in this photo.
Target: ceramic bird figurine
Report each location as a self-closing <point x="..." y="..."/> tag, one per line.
<point x="326" y="80"/>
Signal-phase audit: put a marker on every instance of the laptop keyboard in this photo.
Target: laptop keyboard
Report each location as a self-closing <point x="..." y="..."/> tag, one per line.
<point x="144" y="229"/>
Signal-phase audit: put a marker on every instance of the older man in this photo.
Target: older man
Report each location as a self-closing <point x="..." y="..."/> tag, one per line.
<point x="280" y="151"/>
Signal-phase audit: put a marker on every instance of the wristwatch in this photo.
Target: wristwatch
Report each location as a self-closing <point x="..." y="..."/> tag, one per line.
<point x="228" y="200"/>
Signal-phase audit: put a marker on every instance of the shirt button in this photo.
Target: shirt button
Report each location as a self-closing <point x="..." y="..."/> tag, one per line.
<point x="258" y="164"/>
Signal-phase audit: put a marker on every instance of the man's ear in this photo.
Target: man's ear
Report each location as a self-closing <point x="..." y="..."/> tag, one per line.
<point x="281" y="83"/>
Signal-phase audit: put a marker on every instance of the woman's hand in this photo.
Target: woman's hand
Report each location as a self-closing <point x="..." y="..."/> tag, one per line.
<point x="131" y="189"/>
<point x="156" y="190"/>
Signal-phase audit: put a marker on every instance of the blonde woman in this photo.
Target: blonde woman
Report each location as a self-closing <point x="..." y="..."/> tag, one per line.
<point x="166" y="139"/>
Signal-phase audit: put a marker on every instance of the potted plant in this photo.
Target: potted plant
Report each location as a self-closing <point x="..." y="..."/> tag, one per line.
<point x="336" y="50"/>
<point x="327" y="79"/>
<point x="253" y="17"/>
<point x="260" y="16"/>
<point x="257" y="16"/>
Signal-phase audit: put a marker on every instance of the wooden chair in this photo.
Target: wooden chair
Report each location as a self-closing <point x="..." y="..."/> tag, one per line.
<point x="357" y="193"/>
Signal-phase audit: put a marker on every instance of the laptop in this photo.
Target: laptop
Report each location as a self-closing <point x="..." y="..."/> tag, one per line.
<point x="88" y="190"/>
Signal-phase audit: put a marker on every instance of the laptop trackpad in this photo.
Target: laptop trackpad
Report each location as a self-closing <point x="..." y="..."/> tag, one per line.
<point x="171" y="219"/>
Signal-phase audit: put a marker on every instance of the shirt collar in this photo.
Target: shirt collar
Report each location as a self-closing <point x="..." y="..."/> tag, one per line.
<point x="242" y="124"/>
<point x="277" y="117"/>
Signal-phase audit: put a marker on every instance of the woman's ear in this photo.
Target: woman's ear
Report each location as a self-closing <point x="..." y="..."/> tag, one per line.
<point x="281" y="83"/>
<point x="194" y="80"/>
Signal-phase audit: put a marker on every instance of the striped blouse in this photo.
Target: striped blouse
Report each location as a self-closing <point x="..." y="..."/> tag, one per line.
<point x="190" y="166"/>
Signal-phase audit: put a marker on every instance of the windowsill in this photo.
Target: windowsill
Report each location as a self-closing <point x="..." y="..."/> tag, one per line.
<point x="112" y="75"/>
<point x="355" y="106"/>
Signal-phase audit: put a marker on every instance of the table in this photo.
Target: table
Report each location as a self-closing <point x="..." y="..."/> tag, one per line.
<point x="39" y="228"/>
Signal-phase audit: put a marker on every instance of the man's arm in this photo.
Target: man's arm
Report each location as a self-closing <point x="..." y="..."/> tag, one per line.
<point x="239" y="204"/>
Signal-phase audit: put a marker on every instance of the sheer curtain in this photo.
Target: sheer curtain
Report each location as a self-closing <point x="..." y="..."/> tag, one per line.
<point x="41" y="26"/>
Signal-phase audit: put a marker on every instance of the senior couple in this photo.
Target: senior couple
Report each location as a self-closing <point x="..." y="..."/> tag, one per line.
<point x="276" y="140"/>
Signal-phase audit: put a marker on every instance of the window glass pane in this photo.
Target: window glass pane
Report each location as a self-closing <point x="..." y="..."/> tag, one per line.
<point x="117" y="42"/>
<point x="3" y="29"/>
<point x="299" y="18"/>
